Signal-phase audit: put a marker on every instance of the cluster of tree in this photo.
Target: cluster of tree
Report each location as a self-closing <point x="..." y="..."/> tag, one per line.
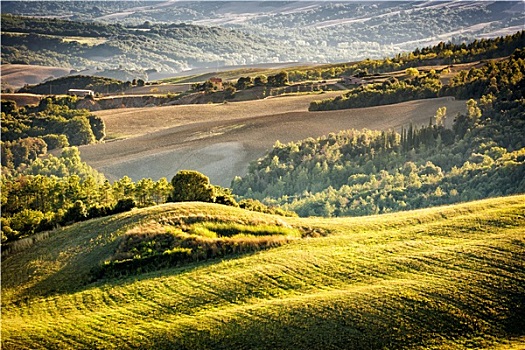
<point x="208" y="86"/>
<point x="391" y="91"/>
<point x="29" y="132"/>
<point x="489" y="79"/>
<point x="450" y="53"/>
<point x="494" y="78"/>
<point x="368" y="172"/>
<point x="229" y="88"/>
<point x="62" y="190"/>
<point x="277" y="80"/>
<point x="62" y="85"/>
<point x="191" y="185"/>
<point x="325" y="72"/>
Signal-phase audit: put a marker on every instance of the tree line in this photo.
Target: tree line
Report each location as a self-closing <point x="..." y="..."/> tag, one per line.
<point x="388" y="92"/>
<point x="466" y="84"/>
<point x="441" y="54"/>
<point x="58" y="191"/>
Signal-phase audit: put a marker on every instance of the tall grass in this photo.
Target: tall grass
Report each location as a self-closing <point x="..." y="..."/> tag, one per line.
<point x="191" y="238"/>
<point x="234" y="229"/>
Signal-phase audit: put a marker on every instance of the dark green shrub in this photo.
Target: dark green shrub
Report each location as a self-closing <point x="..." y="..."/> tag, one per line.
<point x="124" y="205"/>
<point x="75" y="213"/>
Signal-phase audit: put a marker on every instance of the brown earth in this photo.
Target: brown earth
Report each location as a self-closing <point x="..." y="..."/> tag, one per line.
<point x="17" y="75"/>
<point x="23" y="99"/>
<point x="220" y="140"/>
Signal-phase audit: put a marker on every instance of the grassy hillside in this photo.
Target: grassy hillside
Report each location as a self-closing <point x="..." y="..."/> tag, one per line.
<point x="449" y="277"/>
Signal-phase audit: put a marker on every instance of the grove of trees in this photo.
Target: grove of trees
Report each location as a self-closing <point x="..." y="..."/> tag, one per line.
<point x="29" y="132"/>
<point x="368" y="172"/>
<point x="61" y="190"/>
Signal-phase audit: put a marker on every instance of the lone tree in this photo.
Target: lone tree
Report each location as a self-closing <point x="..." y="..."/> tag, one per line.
<point x="190" y="185"/>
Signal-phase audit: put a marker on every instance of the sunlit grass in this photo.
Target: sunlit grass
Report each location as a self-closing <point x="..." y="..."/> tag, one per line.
<point x="443" y="278"/>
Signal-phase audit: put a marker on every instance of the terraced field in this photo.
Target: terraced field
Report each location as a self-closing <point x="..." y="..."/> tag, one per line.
<point x="443" y="278"/>
<point x="220" y="140"/>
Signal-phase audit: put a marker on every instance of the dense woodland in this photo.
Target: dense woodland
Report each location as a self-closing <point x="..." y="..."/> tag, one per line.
<point x="164" y="47"/>
<point x="40" y="190"/>
<point x="57" y="191"/>
<point x="368" y="172"/>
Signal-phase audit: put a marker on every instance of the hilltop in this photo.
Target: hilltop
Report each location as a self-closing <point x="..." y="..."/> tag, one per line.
<point x="17" y="75"/>
<point x="448" y="277"/>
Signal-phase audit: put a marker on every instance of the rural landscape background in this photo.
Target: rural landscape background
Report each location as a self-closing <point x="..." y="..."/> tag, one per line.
<point x="263" y="174"/>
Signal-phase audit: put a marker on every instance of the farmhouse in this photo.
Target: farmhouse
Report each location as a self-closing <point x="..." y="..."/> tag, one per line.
<point x="80" y="92"/>
<point x="217" y="82"/>
<point x="351" y="80"/>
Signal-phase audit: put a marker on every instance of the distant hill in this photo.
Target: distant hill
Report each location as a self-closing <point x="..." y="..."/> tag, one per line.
<point x="62" y="85"/>
<point x="15" y="76"/>
<point x="263" y="31"/>
<point x="308" y="31"/>
<point x="165" y="47"/>
<point x="449" y="277"/>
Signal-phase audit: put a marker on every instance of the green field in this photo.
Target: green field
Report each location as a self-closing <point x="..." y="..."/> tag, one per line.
<point x="443" y="278"/>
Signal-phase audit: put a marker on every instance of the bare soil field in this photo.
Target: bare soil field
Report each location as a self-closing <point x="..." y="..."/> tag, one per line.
<point x="129" y="122"/>
<point x="220" y="140"/>
<point x="17" y="75"/>
<point x="23" y="99"/>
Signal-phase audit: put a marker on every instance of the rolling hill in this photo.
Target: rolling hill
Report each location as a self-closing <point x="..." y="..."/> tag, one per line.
<point x="449" y="277"/>
<point x="15" y="76"/>
<point x="254" y="32"/>
<point x="113" y="47"/>
<point x="220" y="140"/>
